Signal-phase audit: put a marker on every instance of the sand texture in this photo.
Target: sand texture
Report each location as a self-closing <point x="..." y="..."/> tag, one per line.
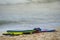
<point x="36" y="36"/>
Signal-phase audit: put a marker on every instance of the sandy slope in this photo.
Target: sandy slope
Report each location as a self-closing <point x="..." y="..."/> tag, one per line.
<point x="37" y="36"/>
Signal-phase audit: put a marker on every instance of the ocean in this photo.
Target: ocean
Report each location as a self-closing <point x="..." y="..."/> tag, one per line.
<point x="26" y="15"/>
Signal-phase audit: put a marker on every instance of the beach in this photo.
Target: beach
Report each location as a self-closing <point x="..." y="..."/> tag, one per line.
<point x="28" y="15"/>
<point x="35" y="36"/>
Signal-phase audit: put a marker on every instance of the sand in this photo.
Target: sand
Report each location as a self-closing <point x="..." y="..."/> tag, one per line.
<point x="36" y="36"/>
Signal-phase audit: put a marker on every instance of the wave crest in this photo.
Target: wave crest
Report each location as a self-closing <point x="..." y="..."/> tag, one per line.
<point x="25" y="1"/>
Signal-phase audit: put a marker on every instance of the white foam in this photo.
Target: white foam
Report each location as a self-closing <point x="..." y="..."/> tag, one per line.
<point x="24" y="1"/>
<point x="12" y="1"/>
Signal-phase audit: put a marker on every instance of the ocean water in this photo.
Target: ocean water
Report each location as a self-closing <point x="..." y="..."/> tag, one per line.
<point x="29" y="14"/>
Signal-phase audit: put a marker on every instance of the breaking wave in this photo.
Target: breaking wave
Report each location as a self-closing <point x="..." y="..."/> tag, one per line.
<point x="25" y="1"/>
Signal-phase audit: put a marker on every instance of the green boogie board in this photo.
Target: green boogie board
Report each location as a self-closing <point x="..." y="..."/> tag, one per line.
<point x="18" y="32"/>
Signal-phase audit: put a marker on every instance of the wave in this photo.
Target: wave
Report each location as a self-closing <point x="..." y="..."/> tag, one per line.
<point x="25" y="1"/>
<point x="2" y="22"/>
<point x="33" y="21"/>
<point x="12" y="1"/>
<point x="44" y="1"/>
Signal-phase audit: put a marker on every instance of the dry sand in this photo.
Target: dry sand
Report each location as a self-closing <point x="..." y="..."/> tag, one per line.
<point x="36" y="36"/>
